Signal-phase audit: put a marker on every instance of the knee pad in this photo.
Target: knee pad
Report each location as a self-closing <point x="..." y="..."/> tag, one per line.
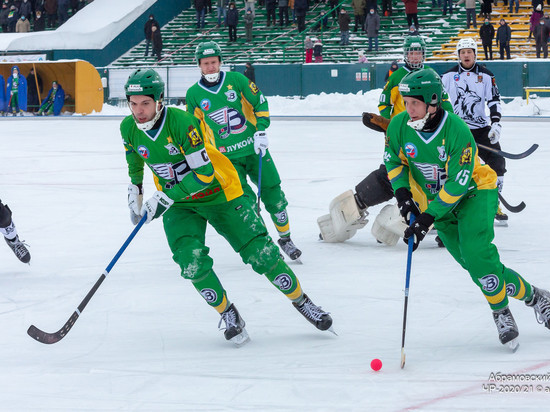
<point x="375" y="188"/>
<point x="344" y="220"/>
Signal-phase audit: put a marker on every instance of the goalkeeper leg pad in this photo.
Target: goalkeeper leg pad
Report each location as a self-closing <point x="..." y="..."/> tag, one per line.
<point x="344" y="220"/>
<point x="389" y="225"/>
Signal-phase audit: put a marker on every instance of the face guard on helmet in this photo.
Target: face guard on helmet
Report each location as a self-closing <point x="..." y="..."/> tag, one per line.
<point x="208" y="49"/>
<point x="414" y="45"/>
<point x="146" y="82"/>
<point x="426" y="85"/>
<point x="466" y="43"/>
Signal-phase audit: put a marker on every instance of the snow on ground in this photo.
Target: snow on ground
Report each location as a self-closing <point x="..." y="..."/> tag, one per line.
<point x="148" y="342"/>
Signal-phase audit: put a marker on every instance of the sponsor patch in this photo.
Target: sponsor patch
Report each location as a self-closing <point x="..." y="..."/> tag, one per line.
<point x="253" y="88"/>
<point x="283" y="281"/>
<point x="281" y="217"/>
<point x="194" y="138"/>
<point x="489" y="283"/>
<point x="143" y="151"/>
<point x="466" y="156"/>
<point x="456" y="77"/>
<point x="135" y="88"/>
<point x="197" y="159"/>
<point x="510" y="289"/>
<point x="410" y="150"/>
<point x="404" y="87"/>
<point x="442" y="154"/>
<point x="205" y="104"/>
<point x="209" y="295"/>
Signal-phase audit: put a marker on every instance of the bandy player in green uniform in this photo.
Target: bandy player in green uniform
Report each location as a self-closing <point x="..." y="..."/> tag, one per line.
<point x="197" y="185"/>
<point x="434" y="151"/>
<point x="238" y="114"/>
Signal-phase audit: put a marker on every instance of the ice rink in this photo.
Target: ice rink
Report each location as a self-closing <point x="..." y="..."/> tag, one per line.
<point x="148" y="342"/>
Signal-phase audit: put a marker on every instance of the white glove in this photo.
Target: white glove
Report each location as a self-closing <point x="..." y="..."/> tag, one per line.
<point x="494" y="133"/>
<point x="135" y="200"/>
<point x="260" y="142"/>
<point x="156" y="206"/>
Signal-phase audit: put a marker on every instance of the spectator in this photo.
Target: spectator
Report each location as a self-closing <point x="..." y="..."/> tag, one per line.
<point x="413" y="31"/>
<point x="248" y="23"/>
<point x="283" y="13"/>
<point x="486" y="9"/>
<point x="4" y="18"/>
<point x="249" y="5"/>
<point x="149" y="33"/>
<point x="200" y="9"/>
<point x="372" y="26"/>
<point x="448" y="3"/>
<point x="300" y="9"/>
<point x="343" y="21"/>
<point x="541" y="32"/>
<point x="232" y="21"/>
<point x="336" y="12"/>
<point x="26" y="9"/>
<point x="359" y="13"/>
<point x="16" y="92"/>
<point x="208" y="6"/>
<point x="39" y="23"/>
<point x="34" y="90"/>
<point x="12" y="19"/>
<point x="361" y="58"/>
<point x="411" y="10"/>
<point x="536" y="17"/>
<point x="487" y="34"/>
<point x="54" y="101"/>
<point x="50" y="7"/>
<point x="470" y="11"/>
<point x="535" y="3"/>
<point x="308" y="46"/>
<point x="322" y="23"/>
<point x="270" y="7"/>
<point x="249" y="72"/>
<point x="504" y="35"/>
<point x="222" y="11"/>
<point x="62" y="11"/>
<point x="387" y="7"/>
<point x="39" y="5"/>
<point x="318" y="51"/>
<point x="23" y="25"/>
<point x="156" y="38"/>
<point x="393" y="68"/>
<point x="512" y="6"/>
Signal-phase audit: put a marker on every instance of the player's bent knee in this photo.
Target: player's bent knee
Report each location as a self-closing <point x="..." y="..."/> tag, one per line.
<point x="261" y="253"/>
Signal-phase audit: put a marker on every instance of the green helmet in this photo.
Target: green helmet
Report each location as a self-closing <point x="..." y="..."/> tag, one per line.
<point x="145" y="82"/>
<point x="208" y="49"/>
<point x="423" y="83"/>
<point x="411" y="44"/>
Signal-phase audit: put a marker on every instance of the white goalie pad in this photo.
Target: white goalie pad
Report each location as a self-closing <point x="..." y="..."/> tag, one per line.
<point x="389" y="225"/>
<point x="344" y="219"/>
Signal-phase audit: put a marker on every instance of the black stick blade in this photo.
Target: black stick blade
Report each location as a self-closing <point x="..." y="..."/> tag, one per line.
<point x="513" y="209"/>
<point x="49" y="338"/>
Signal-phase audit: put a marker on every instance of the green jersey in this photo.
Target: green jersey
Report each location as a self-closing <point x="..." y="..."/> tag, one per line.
<point x="391" y="102"/>
<point x="440" y="168"/>
<point x="183" y="158"/>
<point x="234" y="109"/>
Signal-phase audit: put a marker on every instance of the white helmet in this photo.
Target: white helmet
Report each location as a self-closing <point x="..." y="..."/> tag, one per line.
<point x="466" y="43"/>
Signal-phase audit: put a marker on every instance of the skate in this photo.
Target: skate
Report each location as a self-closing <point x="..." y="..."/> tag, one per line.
<point x="289" y="248"/>
<point x="20" y="249"/>
<point x="314" y="314"/>
<point x="540" y="302"/>
<point x="234" y="326"/>
<point x="507" y="328"/>
<point x="439" y="241"/>
<point x="501" y="218"/>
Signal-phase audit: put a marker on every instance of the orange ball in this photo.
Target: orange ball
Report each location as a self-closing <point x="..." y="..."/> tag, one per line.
<point x="376" y="365"/>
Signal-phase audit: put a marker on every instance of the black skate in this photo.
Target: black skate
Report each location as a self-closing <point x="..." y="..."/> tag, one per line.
<point x="289" y="248"/>
<point x="314" y="314"/>
<point x="501" y="218"/>
<point x="439" y="242"/>
<point x="234" y="326"/>
<point x="507" y="328"/>
<point x="541" y="304"/>
<point x="20" y="249"/>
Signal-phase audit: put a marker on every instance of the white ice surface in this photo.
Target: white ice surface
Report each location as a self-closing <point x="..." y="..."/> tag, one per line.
<point x="147" y="341"/>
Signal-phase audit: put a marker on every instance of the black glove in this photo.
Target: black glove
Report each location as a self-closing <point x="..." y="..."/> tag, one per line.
<point x="419" y="229"/>
<point x="406" y="204"/>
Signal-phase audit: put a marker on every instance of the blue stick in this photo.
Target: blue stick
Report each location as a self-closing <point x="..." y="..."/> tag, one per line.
<point x="407" y="281"/>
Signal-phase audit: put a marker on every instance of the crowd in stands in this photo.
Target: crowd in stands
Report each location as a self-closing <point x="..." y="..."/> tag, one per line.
<point x="22" y="16"/>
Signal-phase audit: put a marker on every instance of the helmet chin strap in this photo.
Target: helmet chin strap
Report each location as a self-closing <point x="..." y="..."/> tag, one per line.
<point x="420" y="123"/>
<point x="149" y="125"/>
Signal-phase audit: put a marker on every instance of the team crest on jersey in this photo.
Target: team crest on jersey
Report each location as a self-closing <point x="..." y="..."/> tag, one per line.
<point x="480" y="78"/>
<point x="231" y="95"/>
<point x="442" y="153"/>
<point x="283" y="281"/>
<point x="466" y="156"/>
<point x="457" y="77"/>
<point x="209" y="295"/>
<point x="489" y="283"/>
<point x="205" y="104"/>
<point x="172" y="150"/>
<point x="143" y="151"/>
<point x="173" y="173"/>
<point x="410" y="150"/>
<point x="230" y="120"/>
<point x="194" y="138"/>
<point x="435" y="176"/>
<point x="465" y="104"/>
<point x="253" y="88"/>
